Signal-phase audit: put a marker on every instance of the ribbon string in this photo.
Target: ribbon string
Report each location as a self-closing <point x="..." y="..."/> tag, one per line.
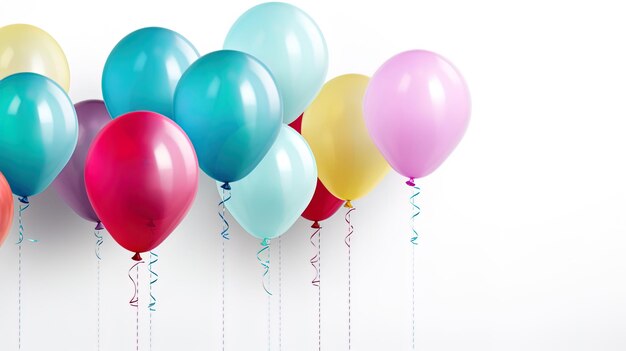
<point x="225" y="197"/>
<point x="317" y="264"/>
<point x="265" y="263"/>
<point x="225" y="236"/>
<point x="280" y="294"/>
<point x="134" y="301"/>
<point x="154" y="277"/>
<point x="416" y="210"/>
<point x="24" y="205"/>
<point x="99" y="241"/>
<point x="347" y="240"/>
<point x="316" y="258"/>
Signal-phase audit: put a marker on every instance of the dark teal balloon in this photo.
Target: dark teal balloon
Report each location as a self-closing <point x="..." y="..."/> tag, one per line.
<point x="229" y="105"/>
<point x="143" y="69"/>
<point x="38" y="131"/>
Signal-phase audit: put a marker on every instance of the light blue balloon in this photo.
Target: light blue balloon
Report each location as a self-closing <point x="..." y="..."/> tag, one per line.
<point x="269" y="201"/>
<point x="143" y="69"/>
<point x="38" y="131"/>
<point x="228" y="104"/>
<point x="289" y="42"/>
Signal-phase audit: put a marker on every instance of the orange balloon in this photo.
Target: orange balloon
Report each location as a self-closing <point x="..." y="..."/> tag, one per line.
<point x="6" y="208"/>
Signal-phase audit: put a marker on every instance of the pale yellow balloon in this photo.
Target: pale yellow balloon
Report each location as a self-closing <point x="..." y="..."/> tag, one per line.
<point x="348" y="162"/>
<point x="26" y="48"/>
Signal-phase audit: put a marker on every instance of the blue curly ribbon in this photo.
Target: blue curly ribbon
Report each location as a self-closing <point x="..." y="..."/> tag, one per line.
<point x="416" y="210"/>
<point x="265" y="245"/>
<point x="225" y="197"/>
<point x="154" y="277"/>
<point x="24" y="205"/>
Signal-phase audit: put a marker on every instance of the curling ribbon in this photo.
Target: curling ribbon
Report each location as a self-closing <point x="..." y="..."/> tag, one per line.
<point x="315" y="260"/>
<point x="265" y="245"/>
<point x="99" y="239"/>
<point x="225" y="197"/>
<point x="416" y="209"/>
<point x="347" y="241"/>
<point x="24" y="205"/>
<point x="134" y="301"/>
<point x="154" y="277"/>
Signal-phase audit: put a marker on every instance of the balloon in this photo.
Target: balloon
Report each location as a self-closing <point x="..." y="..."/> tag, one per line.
<point x="289" y="42"/>
<point x="268" y="201"/>
<point x="349" y="164"/>
<point x="70" y="184"/>
<point x="26" y="48"/>
<point x="323" y="204"/>
<point x="229" y="105"/>
<point x="417" y="108"/>
<point x="6" y="208"/>
<point x="141" y="176"/>
<point x="38" y="131"/>
<point x="143" y="69"/>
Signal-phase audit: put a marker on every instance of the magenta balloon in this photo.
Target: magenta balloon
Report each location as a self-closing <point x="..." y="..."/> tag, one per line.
<point x="417" y="108"/>
<point x="70" y="184"/>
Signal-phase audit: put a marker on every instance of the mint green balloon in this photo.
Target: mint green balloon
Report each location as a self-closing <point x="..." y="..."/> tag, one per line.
<point x="38" y="131"/>
<point x="270" y="199"/>
<point x="291" y="45"/>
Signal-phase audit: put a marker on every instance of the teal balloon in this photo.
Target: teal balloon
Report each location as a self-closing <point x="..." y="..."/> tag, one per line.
<point x="38" y="131"/>
<point x="143" y="69"/>
<point x="228" y="104"/>
<point x="291" y="44"/>
<point x="269" y="201"/>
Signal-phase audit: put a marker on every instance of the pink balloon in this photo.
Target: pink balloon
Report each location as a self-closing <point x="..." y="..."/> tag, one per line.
<point x="417" y="108"/>
<point x="141" y="176"/>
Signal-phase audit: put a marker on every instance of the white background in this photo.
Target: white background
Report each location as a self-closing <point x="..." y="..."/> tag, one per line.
<point x="522" y="231"/>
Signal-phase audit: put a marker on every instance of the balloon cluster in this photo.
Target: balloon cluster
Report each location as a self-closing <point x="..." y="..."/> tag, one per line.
<point x="131" y="162"/>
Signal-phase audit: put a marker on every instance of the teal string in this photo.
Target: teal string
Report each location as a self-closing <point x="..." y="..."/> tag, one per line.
<point x="225" y="236"/>
<point x="99" y="241"/>
<point x="154" y="277"/>
<point x="265" y="263"/>
<point x="24" y="205"/>
<point x="225" y="197"/>
<point x="416" y="212"/>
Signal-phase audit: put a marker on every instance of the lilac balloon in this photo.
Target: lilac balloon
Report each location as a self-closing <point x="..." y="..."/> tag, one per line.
<point x="417" y="108"/>
<point x="70" y="184"/>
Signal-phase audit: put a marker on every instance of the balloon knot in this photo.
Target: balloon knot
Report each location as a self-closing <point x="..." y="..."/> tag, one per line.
<point x="99" y="226"/>
<point x="265" y="242"/>
<point x="348" y="204"/>
<point x="226" y="186"/>
<point x="315" y="225"/>
<point x="410" y="182"/>
<point x="137" y="257"/>
<point x="23" y="199"/>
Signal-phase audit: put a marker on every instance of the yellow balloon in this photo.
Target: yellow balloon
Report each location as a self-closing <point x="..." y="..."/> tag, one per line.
<point x="26" y="48"/>
<point x="348" y="162"/>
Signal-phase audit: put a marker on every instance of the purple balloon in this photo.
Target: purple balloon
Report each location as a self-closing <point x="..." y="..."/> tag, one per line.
<point x="70" y="184"/>
<point x="417" y="108"/>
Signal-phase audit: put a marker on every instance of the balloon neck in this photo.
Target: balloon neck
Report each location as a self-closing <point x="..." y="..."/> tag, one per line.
<point x="348" y="204"/>
<point x="265" y="242"/>
<point x="410" y="182"/>
<point x="137" y="257"/>
<point x="315" y="225"/>
<point x="23" y="199"/>
<point x="99" y="226"/>
<point x="226" y="186"/>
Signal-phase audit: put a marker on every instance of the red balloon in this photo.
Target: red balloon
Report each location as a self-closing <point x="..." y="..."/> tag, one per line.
<point x="323" y="204"/>
<point x="141" y="176"/>
<point x="6" y="208"/>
